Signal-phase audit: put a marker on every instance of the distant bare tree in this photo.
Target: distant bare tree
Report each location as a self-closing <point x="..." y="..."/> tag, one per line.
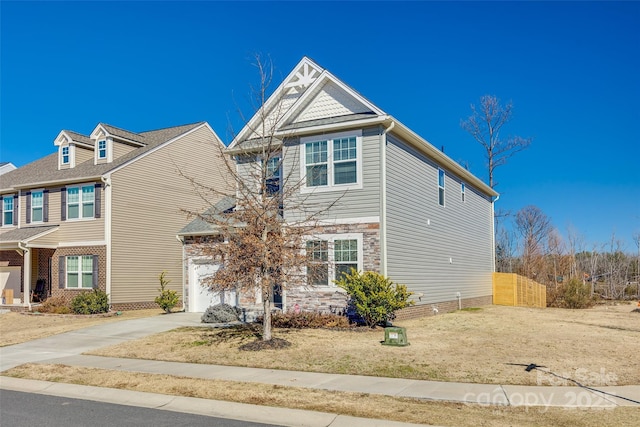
<point x="534" y="227"/>
<point x="485" y="125"/>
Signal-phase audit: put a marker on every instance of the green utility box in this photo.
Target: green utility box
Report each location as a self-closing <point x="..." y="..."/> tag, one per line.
<point x="395" y="336"/>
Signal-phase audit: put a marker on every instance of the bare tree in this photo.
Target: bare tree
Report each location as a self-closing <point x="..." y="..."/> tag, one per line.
<point x="260" y="252"/>
<point x="534" y="227"/>
<point x="485" y="125"/>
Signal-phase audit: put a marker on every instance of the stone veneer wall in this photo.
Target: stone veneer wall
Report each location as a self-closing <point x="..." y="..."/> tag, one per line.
<point x="424" y="310"/>
<point x="334" y="300"/>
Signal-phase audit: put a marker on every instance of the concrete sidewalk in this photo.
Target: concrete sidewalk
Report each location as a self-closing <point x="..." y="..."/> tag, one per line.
<point x="67" y="349"/>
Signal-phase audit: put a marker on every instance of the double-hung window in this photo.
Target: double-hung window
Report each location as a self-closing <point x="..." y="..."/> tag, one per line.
<point x="7" y="210"/>
<point x="80" y="202"/>
<point x="80" y="271"/>
<point x="441" y="187"/>
<point x="272" y="176"/>
<point x="346" y="256"/>
<point x="65" y="155"/>
<point x="330" y="256"/>
<point x="37" y="206"/>
<point x="462" y="191"/>
<point x="102" y="149"/>
<point x="316" y="163"/>
<point x="332" y="162"/>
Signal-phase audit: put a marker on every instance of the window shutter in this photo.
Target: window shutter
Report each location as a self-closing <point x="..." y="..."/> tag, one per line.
<point x="16" y="210"/>
<point x="45" y="206"/>
<point x="63" y="203"/>
<point x="95" y="272"/>
<point x="28" y="194"/>
<point x="1" y="210"/>
<point x="61" y="272"/>
<point x="97" y="199"/>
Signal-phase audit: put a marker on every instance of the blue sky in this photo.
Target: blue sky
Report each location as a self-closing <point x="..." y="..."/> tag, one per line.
<point x="571" y="69"/>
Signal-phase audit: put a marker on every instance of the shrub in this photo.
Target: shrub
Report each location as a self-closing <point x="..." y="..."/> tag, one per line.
<point x="55" y="305"/>
<point x="374" y="297"/>
<point x="93" y="302"/>
<point x="221" y="313"/>
<point x="573" y="294"/>
<point x="167" y="298"/>
<point x="308" y="320"/>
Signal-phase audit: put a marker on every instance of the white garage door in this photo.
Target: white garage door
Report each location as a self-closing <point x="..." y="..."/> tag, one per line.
<point x="201" y="297"/>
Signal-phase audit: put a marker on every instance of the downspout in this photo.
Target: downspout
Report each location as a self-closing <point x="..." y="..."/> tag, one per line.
<point x="106" y="180"/>
<point x="383" y="199"/>
<point x="26" y="266"/>
<point x="184" y="284"/>
<point x="493" y="229"/>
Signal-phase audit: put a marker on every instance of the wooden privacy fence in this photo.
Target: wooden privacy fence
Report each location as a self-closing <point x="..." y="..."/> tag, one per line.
<point x="517" y="291"/>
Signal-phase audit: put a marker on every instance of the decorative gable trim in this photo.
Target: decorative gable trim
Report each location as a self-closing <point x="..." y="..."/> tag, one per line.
<point x="307" y="99"/>
<point x="304" y="74"/>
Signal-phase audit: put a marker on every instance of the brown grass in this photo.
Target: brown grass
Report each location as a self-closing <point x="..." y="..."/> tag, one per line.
<point x="16" y="328"/>
<point x="593" y="346"/>
<point x="353" y="404"/>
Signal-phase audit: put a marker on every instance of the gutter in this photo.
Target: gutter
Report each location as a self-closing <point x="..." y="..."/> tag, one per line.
<point x="493" y="229"/>
<point x="383" y="197"/>
<point x="106" y="180"/>
<point x="184" y="281"/>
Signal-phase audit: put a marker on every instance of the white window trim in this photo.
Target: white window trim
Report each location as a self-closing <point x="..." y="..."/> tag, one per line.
<point x="39" y="190"/>
<point x="98" y="149"/>
<point x="13" y="210"/>
<point x="72" y="156"/>
<point x="79" y="272"/>
<point x="330" y="239"/>
<point x="80" y="217"/>
<point x="443" y="186"/>
<point x="330" y="185"/>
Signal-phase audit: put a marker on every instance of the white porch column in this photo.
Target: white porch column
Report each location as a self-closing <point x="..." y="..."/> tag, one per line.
<point x="26" y="278"/>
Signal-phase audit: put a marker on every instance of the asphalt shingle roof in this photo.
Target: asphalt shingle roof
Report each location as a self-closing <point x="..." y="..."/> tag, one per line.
<point x="201" y="226"/>
<point x="45" y="169"/>
<point x="22" y="234"/>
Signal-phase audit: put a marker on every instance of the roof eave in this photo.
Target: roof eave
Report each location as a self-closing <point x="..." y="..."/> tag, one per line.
<point x="53" y="182"/>
<point x="427" y="148"/>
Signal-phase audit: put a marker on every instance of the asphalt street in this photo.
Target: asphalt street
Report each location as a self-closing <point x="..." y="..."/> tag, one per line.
<point x="29" y="409"/>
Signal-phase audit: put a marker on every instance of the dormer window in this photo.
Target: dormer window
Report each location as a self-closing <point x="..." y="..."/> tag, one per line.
<point x="102" y="149"/>
<point x="65" y="155"/>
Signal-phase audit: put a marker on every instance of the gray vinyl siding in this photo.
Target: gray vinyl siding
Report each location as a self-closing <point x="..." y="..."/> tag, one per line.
<point x="353" y="203"/>
<point x="147" y="198"/>
<point x="423" y="236"/>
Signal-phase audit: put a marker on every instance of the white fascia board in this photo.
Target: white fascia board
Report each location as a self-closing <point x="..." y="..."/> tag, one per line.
<point x="82" y="243"/>
<point x="441" y="159"/>
<point x="58" y="182"/>
<point x="62" y="138"/>
<point x="332" y="127"/>
<point x="275" y="97"/>
<point x="164" y="144"/>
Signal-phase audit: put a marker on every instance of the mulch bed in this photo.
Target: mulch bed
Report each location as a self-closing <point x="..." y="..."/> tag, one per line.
<point x="272" y="344"/>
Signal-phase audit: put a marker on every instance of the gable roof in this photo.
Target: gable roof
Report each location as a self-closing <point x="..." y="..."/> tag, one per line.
<point x="309" y="92"/>
<point x="44" y="171"/>
<point x="312" y="100"/>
